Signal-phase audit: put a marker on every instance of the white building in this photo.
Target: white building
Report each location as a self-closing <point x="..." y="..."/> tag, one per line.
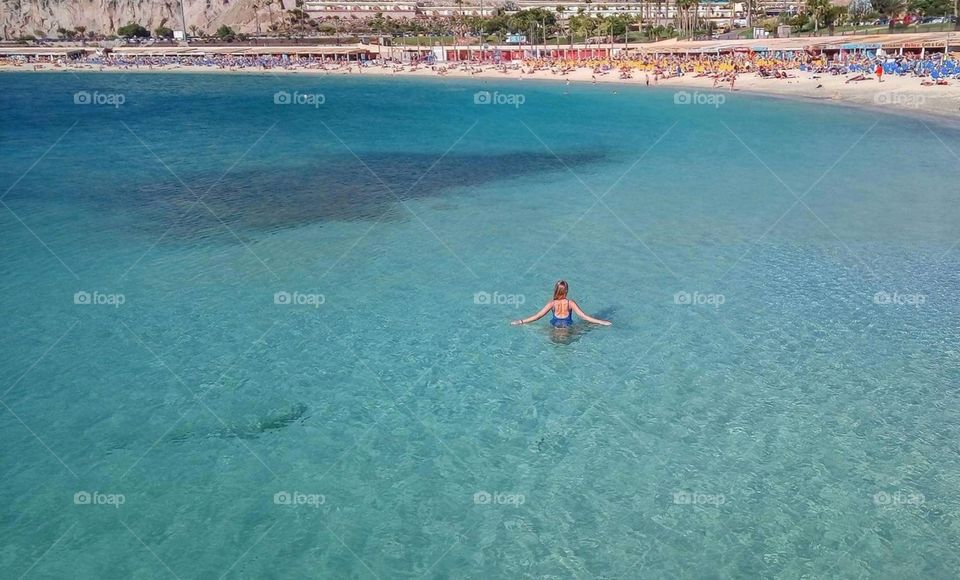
<point x="488" y="10"/>
<point x="360" y="9"/>
<point x="662" y="12"/>
<point x="322" y="8"/>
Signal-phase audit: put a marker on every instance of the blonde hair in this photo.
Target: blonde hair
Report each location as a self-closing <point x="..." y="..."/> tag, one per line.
<point x="560" y="290"/>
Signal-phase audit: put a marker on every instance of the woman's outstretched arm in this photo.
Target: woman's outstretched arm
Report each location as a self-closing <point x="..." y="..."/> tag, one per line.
<point x="536" y="316"/>
<point x="586" y="316"/>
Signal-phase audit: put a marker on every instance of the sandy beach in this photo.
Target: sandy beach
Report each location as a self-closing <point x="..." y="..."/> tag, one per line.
<point x="899" y="95"/>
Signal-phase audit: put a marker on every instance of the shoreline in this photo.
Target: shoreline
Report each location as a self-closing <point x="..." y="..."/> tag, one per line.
<point x="903" y="96"/>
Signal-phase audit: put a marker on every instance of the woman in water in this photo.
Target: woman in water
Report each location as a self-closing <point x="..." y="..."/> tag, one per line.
<point x="563" y="309"/>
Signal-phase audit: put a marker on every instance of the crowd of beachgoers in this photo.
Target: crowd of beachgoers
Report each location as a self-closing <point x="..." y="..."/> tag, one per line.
<point x="726" y="67"/>
<point x="909" y="82"/>
<point x="936" y="67"/>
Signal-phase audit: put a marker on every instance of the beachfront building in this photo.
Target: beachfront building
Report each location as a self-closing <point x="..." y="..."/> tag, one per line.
<point x="776" y="7"/>
<point x="668" y="8"/>
<point x="649" y="10"/>
<point x="665" y="11"/>
<point x="656" y="11"/>
<point x="360" y="10"/>
<point x="395" y="10"/>
<point x="449" y="11"/>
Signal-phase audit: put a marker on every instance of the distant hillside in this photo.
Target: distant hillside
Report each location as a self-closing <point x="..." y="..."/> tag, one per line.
<point x="23" y="17"/>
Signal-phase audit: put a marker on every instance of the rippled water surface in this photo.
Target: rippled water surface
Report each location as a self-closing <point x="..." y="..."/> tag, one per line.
<point x="258" y="340"/>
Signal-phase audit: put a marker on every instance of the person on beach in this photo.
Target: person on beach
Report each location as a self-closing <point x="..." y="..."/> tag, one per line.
<point x="879" y="72"/>
<point x="563" y="309"/>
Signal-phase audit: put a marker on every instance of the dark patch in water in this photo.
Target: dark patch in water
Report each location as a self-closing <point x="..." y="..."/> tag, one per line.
<point x="273" y="421"/>
<point x="554" y="443"/>
<point x="332" y="189"/>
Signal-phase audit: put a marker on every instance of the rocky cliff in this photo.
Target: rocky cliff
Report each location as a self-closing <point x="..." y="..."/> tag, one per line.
<point x="23" y="17"/>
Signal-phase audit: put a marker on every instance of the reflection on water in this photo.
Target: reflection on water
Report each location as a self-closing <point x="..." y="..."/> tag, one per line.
<point x="571" y="334"/>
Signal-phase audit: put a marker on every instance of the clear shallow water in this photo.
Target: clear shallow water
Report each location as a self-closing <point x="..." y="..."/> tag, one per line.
<point x="797" y="429"/>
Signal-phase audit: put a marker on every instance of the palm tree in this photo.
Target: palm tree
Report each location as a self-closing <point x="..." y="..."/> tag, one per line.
<point x="604" y="26"/>
<point x="459" y="19"/>
<point x="584" y="26"/>
<point x="270" y="13"/>
<point x="299" y="19"/>
<point x="336" y="28"/>
<point x="560" y="10"/>
<point x="682" y="17"/>
<point x="835" y="15"/>
<point x="818" y="10"/>
<point x="889" y="8"/>
<point x="257" y="5"/>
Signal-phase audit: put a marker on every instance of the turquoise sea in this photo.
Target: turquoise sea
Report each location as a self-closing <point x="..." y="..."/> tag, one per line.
<point x="258" y="327"/>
